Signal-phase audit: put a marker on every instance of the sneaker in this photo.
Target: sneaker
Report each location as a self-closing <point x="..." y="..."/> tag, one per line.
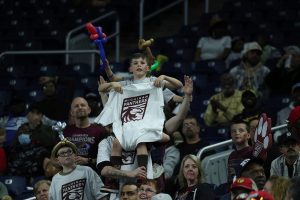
<point x="110" y="186"/>
<point x="158" y="170"/>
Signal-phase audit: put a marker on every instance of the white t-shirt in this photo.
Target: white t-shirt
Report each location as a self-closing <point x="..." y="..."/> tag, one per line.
<point x="211" y="48"/>
<point x="136" y="114"/>
<point x="82" y="183"/>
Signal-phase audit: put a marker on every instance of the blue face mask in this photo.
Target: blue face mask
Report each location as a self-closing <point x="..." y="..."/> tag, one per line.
<point x="24" y="139"/>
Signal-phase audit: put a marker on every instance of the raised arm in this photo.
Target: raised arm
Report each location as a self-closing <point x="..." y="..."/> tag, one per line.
<point x="174" y="122"/>
<point x="106" y="87"/>
<point x="109" y="73"/>
<point x="170" y="82"/>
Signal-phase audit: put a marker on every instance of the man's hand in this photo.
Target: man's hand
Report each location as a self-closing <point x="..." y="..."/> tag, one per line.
<point x="215" y="104"/>
<point x="81" y="160"/>
<point x="139" y="172"/>
<point x="158" y="81"/>
<point x="117" y="87"/>
<point x="188" y="86"/>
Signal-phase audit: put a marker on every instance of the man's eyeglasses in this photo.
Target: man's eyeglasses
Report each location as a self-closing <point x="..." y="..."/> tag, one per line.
<point x="65" y="153"/>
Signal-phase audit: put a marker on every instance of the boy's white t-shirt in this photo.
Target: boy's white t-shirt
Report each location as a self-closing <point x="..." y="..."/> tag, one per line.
<point x="136" y="114"/>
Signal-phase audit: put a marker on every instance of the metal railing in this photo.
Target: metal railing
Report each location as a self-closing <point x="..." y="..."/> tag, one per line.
<point x="229" y="142"/>
<point x="116" y="34"/>
<point x="143" y="18"/>
<point x="48" y="52"/>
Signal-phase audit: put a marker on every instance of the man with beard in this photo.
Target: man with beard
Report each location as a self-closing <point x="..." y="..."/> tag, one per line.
<point x="224" y="105"/>
<point x="288" y="164"/>
<point x="83" y="134"/>
<point x="251" y="73"/>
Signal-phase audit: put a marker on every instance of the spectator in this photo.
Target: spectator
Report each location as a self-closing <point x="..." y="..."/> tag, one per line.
<point x="190" y="180"/>
<point x="3" y="153"/>
<point x="54" y="106"/>
<point x="251" y="108"/>
<point x="225" y="105"/>
<point x="235" y="54"/>
<point x="268" y="51"/>
<point x="240" y="136"/>
<point x="39" y="133"/>
<point x="129" y="191"/>
<point x="83" y="134"/>
<point x="283" y="114"/>
<point x="277" y="186"/>
<point x="241" y="186"/>
<point x="14" y="119"/>
<point x="134" y="112"/>
<point x="41" y="189"/>
<point x="148" y="189"/>
<point x="253" y="168"/>
<point x="74" y="181"/>
<point x="217" y="45"/>
<point x="251" y="73"/>
<point x="288" y="164"/>
<point x="287" y="71"/>
<point x="192" y="140"/>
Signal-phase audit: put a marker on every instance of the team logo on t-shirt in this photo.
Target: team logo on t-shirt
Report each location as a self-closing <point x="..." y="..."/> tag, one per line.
<point x="73" y="190"/>
<point x="128" y="157"/>
<point x="133" y="108"/>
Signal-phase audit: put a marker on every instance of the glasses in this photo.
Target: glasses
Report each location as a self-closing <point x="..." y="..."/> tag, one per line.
<point x="65" y="153"/>
<point x="148" y="190"/>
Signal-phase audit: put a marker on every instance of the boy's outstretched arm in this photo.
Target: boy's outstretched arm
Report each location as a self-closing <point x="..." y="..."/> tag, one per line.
<point x="106" y="87"/>
<point x="111" y="76"/>
<point x="170" y="82"/>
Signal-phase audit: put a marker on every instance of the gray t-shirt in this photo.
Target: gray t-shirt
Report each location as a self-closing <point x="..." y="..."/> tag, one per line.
<point x="83" y="183"/>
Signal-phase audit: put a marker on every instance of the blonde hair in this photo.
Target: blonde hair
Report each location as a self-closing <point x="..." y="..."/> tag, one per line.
<point x="182" y="180"/>
<point x="279" y="186"/>
<point x="39" y="183"/>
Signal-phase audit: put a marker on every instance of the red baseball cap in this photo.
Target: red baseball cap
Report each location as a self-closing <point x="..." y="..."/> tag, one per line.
<point x="294" y="115"/>
<point x="245" y="183"/>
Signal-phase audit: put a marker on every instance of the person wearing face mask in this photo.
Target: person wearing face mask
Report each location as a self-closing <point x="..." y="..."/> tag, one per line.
<point x="251" y="73"/>
<point x="31" y="145"/>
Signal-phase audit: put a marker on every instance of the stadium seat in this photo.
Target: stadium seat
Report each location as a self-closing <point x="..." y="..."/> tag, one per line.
<point x="214" y="167"/>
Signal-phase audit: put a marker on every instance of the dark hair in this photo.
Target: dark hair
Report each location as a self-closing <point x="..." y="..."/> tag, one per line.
<point x="192" y="117"/>
<point x="138" y="55"/>
<point x="130" y="183"/>
<point x="239" y="120"/>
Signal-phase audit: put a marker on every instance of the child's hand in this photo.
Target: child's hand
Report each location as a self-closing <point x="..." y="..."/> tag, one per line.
<point x="140" y="44"/>
<point x="188" y="86"/>
<point x="117" y="87"/>
<point x="158" y="81"/>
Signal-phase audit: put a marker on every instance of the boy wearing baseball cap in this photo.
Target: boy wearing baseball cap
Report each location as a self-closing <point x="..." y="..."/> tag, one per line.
<point x="76" y="181"/>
